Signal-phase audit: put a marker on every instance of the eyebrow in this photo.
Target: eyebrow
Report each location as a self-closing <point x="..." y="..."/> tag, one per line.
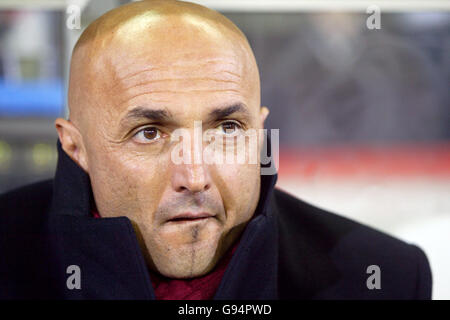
<point x="162" y="115"/>
<point x="139" y="113"/>
<point x="223" y="112"/>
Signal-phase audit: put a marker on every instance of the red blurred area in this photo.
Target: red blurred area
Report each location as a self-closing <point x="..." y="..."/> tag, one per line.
<point x="393" y="161"/>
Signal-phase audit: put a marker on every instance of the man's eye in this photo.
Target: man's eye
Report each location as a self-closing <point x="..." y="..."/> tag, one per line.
<point x="148" y="134"/>
<point x="229" y="127"/>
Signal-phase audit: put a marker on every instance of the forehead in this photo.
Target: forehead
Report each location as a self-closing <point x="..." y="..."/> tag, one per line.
<point x="217" y="75"/>
<point x="203" y="72"/>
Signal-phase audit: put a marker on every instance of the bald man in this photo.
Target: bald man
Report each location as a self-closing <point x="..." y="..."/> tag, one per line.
<point x="136" y="211"/>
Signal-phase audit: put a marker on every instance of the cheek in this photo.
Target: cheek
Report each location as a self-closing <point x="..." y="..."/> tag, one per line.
<point x="127" y="184"/>
<point x="239" y="187"/>
<point x="150" y="178"/>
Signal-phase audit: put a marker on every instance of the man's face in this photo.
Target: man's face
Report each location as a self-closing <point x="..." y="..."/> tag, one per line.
<point x="186" y="215"/>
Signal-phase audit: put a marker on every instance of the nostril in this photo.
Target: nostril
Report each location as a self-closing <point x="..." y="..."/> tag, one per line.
<point x="194" y="189"/>
<point x="182" y="189"/>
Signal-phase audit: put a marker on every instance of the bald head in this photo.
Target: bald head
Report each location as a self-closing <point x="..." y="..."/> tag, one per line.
<point x="152" y="35"/>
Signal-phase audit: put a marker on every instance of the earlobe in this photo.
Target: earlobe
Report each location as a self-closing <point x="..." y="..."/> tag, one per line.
<point x="71" y="142"/>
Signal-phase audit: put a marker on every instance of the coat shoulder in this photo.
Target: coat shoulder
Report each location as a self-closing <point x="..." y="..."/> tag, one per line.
<point x="24" y="267"/>
<point x="26" y="203"/>
<point x="333" y="257"/>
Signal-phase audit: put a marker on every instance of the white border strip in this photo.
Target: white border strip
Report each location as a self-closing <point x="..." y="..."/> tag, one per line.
<point x="265" y="5"/>
<point x="40" y="4"/>
<point x="323" y="5"/>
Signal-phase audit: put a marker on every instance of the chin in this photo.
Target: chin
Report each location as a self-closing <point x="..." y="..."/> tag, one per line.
<point x="186" y="250"/>
<point x="189" y="260"/>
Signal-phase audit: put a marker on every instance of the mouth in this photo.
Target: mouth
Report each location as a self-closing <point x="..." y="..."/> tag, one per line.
<point x="191" y="217"/>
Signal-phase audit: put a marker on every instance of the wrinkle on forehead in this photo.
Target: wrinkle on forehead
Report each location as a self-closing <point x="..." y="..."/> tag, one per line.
<point x="190" y="76"/>
<point x="215" y="66"/>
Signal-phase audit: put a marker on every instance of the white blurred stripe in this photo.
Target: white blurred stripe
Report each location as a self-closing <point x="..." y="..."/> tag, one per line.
<point x="41" y="4"/>
<point x="325" y="5"/>
<point x="266" y="5"/>
<point x="385" y="204"/>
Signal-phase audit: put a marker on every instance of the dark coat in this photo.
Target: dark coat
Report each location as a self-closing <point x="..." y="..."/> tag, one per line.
<point x="289" y="250"/>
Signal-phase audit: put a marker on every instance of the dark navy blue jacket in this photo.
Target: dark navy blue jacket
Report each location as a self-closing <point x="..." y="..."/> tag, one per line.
<point x="289" y="250"/>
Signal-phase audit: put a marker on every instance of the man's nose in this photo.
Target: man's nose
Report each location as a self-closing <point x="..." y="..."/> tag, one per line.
<point x="191" y="178"/>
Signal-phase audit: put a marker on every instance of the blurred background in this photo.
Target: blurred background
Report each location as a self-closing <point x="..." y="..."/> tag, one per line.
<point x="364" y="114"/>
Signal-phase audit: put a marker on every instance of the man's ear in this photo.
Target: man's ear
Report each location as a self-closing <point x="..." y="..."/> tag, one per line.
<point x="263" y="113"/>
<point x="72" y="142"/>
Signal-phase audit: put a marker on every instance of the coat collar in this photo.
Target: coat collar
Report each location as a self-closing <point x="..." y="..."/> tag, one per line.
<point x="109" y="253"/>
<point x="72" y="192"/>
